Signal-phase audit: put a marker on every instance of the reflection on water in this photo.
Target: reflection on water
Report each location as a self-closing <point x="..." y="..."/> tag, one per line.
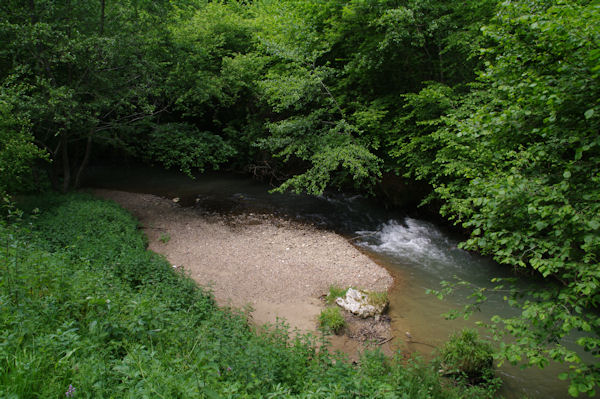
<point x="418" y="251"/>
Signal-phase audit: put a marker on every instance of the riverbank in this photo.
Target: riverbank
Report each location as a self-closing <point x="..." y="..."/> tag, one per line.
<point x="86" y="309"/>
<point x="278" y="267"/>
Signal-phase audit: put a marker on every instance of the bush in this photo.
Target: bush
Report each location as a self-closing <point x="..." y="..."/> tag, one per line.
<point x="467" y="356"/>
<point x="332" y="319"/>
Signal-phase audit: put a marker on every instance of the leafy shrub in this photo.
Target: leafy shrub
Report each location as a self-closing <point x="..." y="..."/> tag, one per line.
<point x="331" y="318"/>
<point x="184" y="146"/>
<point x="18" y="152"/>
<point x="467" y="355"/>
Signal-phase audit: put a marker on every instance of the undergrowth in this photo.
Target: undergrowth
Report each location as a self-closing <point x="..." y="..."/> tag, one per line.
<point x="468" y="359"/>
<point x="332" y="319"/>
<point x="86" y="311"/>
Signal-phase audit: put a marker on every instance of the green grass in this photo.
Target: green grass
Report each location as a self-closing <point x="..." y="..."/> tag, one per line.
<point x="332" y="319"/>
<point x="378" y="298"/>
<point x="334" y="293"/>
<point x="83" y="303"/>
<point x="164" y="238"/>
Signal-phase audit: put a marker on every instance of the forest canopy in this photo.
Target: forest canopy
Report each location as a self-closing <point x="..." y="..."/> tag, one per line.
<point x="494" y="105"/>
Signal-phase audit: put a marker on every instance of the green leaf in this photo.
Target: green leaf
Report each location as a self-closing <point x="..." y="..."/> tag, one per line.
<point x="212" y="394"/>
<point x="593" y="224"/>
<point x="563" y="376"/>
<point x="573" y="391"/>
<point x="567" y="174"/>
<point x="589" y="113"/>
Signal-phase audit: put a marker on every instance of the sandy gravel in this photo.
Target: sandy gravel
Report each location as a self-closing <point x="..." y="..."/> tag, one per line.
<point x="278" y="267"/>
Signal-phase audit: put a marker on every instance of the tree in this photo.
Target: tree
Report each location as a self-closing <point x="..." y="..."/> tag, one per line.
<point x="518" y="165"/>
<point x="212" y="80"/>
<point x="83" y="71"/>
<point x="340" y="73"/>
<point x="17" y="153"/>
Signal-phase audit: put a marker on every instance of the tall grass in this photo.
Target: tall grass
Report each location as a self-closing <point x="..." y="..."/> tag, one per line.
<point x="83" y="304"/>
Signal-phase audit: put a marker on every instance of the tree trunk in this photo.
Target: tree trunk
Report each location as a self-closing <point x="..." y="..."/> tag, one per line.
<point x="441" y="63"/>
<point x="86" y="158"/>
<point x="102" y="7"/>
<point x="66" y="165"/>
<point x="32" y="11"/>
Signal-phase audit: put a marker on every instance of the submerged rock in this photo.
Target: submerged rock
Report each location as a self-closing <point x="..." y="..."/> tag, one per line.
<point x="359" y="303"/>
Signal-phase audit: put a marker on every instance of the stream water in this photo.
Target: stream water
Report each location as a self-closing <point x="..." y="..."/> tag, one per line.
<point x="418" y="253"/>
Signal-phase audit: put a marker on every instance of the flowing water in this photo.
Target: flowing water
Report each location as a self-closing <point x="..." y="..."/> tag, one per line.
<point x="418" y="253"/>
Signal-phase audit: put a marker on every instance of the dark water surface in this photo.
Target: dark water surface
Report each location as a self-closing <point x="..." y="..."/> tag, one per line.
<point x="420" y="253"/>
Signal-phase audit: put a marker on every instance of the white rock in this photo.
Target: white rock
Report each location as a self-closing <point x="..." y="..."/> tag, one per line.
<point x="357" y="302"/>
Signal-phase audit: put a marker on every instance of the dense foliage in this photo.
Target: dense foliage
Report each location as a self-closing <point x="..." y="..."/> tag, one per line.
<point x="517" y="162"/>
<point x="493" y="104"/>
<point x="85" y="308"/>
<point x="18" y="153"/>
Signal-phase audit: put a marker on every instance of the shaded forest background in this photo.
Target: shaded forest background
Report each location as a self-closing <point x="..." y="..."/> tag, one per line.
<point x="493" y="105"/>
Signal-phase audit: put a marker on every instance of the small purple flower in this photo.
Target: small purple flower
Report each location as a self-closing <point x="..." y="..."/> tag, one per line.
<point x="229" y="368"/>
<point x="70" y="391"/>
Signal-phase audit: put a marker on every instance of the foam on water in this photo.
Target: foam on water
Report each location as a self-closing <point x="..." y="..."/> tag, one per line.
<point x="420" y="244"/>
<point x="410" y="238"/>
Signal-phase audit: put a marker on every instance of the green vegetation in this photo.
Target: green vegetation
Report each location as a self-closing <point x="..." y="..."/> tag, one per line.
<point x="378" y="298"/>
<point x="334" y="293"/>
<point x="467" y="356"/>
<point x="17" y="152"/>
<point x="84" y="306"/>
<point x="493" y="105"/>
<point x="332" y="319"/>
<point x="164" y="238"/>
<point x="469" y="360"/>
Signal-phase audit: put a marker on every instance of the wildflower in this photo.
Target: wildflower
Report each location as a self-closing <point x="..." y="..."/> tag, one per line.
<point x="70" y="391"/>
<point x="229" y="368"/>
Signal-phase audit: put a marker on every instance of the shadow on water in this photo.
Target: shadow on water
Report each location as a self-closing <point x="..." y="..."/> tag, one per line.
<point x="419" y="252"/>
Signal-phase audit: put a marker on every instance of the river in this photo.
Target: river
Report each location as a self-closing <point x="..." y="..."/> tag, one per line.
<point x="419" y="253"/>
